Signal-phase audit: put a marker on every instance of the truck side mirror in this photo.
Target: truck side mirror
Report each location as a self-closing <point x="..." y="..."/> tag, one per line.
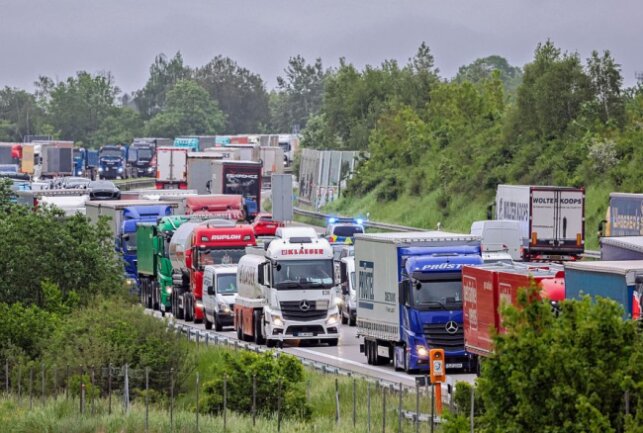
<point x="417" y="284"/>
<point x="344" y="288"/>
<point x="343" y="273"/>
<point x="210" y="290"/>
<point x="404" y="292"/>
<point x="260" y="276"/>
<point x="188" y="258"/>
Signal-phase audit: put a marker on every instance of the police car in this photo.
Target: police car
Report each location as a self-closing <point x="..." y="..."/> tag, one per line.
<point x="343" y="230"/>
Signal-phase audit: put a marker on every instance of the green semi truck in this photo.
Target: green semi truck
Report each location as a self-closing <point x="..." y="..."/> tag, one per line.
<point x="154" y="266"/>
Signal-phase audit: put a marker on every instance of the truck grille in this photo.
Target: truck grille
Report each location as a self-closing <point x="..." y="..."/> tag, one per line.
<point x="437" y="336"/>
<point x="295" y="310"/>
<point x="314" y="329"/>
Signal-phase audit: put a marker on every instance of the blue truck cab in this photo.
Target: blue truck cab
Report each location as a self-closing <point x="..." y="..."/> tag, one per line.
<point x="112" y="162"/>
<point x="85" y="162"/>
<point x="123" y="217"/>
<point x="431" y="305"/>
<point x="409" y="297"/>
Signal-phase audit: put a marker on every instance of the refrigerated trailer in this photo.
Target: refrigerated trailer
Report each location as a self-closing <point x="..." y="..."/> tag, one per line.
<point x="171" y="168"/>
<point x="552" y="219"/>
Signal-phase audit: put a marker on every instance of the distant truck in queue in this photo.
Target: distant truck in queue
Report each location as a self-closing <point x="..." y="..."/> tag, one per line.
<point x="238" y="177"/>
<point x="219" y="293"/>
<point x="287" y="292"/>
<point x="154" y="266"/>
<point x="409" y="296"/>
<point x="123" y="217"/>
<point x="57" y="159"/>
<point x="193" y="246"/>
<point x="552" y="219"/>
<point x="221" y="206"/>
<point x="171" y="168"/>
<point x="485" y="288"/>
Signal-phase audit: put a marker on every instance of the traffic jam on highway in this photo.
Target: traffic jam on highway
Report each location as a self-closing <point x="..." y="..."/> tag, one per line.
<point x="199" y="246"/>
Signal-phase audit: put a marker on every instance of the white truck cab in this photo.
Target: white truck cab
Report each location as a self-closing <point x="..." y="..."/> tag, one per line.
<point x="501" y="239"/>
<point x="219" y="292"/>
<point x="287" y="292"/>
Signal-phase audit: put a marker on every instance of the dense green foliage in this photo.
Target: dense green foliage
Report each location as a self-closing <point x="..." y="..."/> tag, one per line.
<point x="279" y="383"/>
<point x="574" y="371"/>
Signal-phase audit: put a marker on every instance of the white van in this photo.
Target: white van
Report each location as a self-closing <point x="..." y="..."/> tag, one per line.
<point x="499" y="236"/>
<point x="219" y="292"/>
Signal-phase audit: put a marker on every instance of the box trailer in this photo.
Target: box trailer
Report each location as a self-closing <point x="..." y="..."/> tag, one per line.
<point x="485" y="288"/>
<point x="171" y="168"/>
<point x="622" y="248"/>
<point x="200" y="170"/>
<point x="620" y="281"/>
<point x="552" y="219"/>
<point x="624" y="215"/>
<point x="57" y="159"/>
<point x="239" y="177"/>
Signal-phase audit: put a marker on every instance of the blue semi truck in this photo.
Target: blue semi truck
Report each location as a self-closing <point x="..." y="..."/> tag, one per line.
<point x="409" y="297"/>
<point x="85" y="162"/>
<point x="124" y="215"/>
<point x="112" y="162"/>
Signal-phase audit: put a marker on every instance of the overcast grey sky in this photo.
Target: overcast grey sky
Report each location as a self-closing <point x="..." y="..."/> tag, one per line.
<point x="58" y="37"/>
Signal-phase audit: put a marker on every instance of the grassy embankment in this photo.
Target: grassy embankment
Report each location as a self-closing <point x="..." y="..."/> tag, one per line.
<point x="59" y="415"/>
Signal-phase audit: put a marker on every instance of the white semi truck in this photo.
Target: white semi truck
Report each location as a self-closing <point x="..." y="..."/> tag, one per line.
<point x="287" y="292"/>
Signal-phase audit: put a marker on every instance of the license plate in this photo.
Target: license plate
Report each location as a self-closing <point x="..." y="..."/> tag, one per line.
<point x="305" y="334"/>
<point x="454" y="365"/>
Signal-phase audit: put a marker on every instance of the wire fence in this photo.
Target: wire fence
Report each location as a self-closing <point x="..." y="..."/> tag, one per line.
<point x="356" y="402"/>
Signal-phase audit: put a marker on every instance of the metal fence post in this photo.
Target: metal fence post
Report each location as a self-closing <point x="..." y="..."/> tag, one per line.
<point x="126" y="389"/>
<point x="383" y="409"/>
<point x="31" y="388"/>
<point x="336" y="401"/>
<point x="147" y="399"/>
<point x="171" y="399"/>
<point x="109" y="388"/>
<point x="197" y="402"/>
<point x="225" y="402"/>
<point x="432" y="407"/>
<point x="254" y="399"/>
<point x="279" y="407"/>
<point x="354" y="402"/>
<point x="399" y="415"/>
<point x="471" y="422"/>
<point x="417" y="407"/>
<point x="368" y="405"/>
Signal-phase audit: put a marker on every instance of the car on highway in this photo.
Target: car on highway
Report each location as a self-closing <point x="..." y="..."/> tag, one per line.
<point x="343" y="230"/>
<point x="264" y="225"/>
<point x="103" y="190"/>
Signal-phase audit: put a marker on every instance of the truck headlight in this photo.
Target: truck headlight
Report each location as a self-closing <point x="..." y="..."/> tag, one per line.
<point x="100" y="169"/>
<point x="150" y="169"/>
<point x="199" y="305"/>
<point x="130" y="281"/>
<point x="277" y="321"/>
<point x="120" y="169"/>
<point x="422" y="351"/>
<point x="338" y="300"/>
<point x="333" y="319"/>
<point x="224" y="308"/>
<point x="168" y="290"/>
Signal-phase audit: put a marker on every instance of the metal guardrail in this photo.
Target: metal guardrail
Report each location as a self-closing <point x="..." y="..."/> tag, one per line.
<point x="128" y="184"/>
<point x="207" y="338"/>
<point x="372" y="224"/>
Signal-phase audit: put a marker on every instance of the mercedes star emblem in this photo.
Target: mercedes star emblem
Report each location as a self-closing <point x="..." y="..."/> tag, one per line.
<point x="304" y="305"/>
<point x="451" y="327"/>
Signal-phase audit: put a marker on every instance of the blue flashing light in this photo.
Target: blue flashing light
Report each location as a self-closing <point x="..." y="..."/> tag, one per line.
<point x="332" y="220"/>
<point x="359" y="221"/>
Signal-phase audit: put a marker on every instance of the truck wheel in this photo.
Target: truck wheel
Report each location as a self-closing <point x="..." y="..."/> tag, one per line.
<point x="271" y="343"/>
<point x="352" y="321"/>
<point x="239" y="330"/>
<point x="333" y="342"/>
<point x="217" y="324"/>
<point x="258" y="325"/>
<point x="208" y="324"/>
<point x="344" y="318"/>
<point x="367" y="351"/>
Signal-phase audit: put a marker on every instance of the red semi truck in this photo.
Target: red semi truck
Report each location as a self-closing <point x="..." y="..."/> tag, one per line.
<point x="195" y="245"/>
<point x="485" y="288"/>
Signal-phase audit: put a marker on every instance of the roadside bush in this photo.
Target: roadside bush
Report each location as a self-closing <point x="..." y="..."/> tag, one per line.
<point x="114" y="332"/>
<point x="277" y="378"/>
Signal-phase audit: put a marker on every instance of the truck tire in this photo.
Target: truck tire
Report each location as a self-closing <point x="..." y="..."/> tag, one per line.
<point x="352" y="322"/>
<point x="333" y="342"/>
<point x="239" y="329"/>
<point x="189" y="309"/>
<point x="208" y="324"/>
<point x="344" y="318"/>
<point x="258" y="325"/>
<point x="217" y="324"/>
<point x="271" y="343"/>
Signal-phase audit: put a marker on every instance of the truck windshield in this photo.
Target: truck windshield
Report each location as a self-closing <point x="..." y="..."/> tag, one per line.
<point x="297" y="274"/>
<point x="347" y="231"/>
<point x="227" y="284"/>
<point x="219" y="256"/>
<point x="144" y="153"/>
<point x="110" y="153"/>
<point x="438" y="295"/>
